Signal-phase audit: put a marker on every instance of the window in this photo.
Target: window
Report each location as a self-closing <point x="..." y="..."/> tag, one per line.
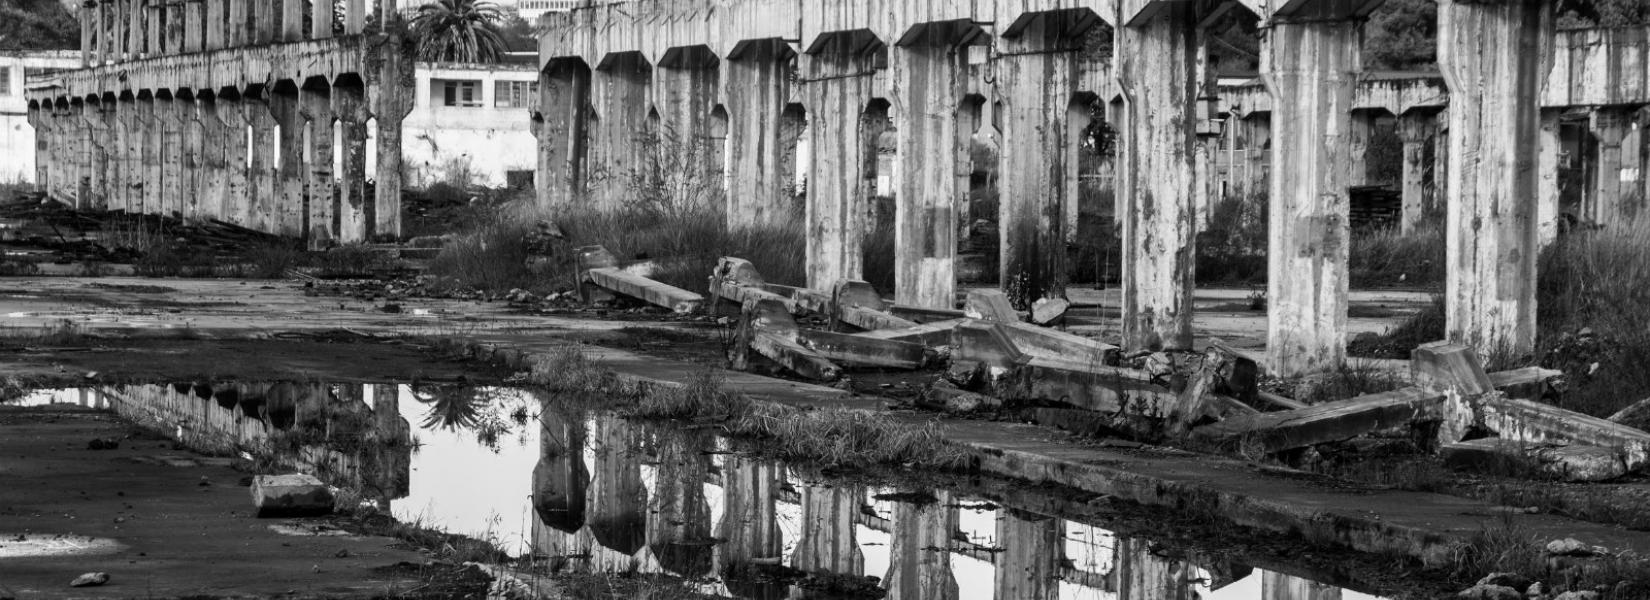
<point x="462" y="93"/>
<point x="5" y="81"/>
<point x="515" y="94"/>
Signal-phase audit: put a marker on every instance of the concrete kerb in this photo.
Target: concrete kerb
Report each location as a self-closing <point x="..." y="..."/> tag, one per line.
<point x="1430" y="527"/>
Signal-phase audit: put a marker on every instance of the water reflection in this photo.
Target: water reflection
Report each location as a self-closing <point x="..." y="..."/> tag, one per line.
<point x="590" y="492"/>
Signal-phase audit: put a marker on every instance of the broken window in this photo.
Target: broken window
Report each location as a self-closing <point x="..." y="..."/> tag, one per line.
<point x="462" y="93"/>
<point x="514" y="94"/>
<point x="5" y="81"/>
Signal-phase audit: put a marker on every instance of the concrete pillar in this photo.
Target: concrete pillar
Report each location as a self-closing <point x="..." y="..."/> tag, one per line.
<point x="129" y="127"/>
<point x="194" y="25"/>
<point x="1311" y="69"/>
<point x="930" y="70"/>
<point x="1418" y="130"/>
<point x="757" y="83"/>
<point x="826" y="540"/>
<point x="39" y="117"/>
<point x="355" y="16"/>
<point x="261" y="198"/>
<point x="77" y="141"/>
<point x="1609" y="125"/>
<point x="154" y="20"/>
<point x="1033" y="549"/>
<point x="175" y="23"/>
<point x="236" y="33"/>
<point x="685" y="90"/>
<point x="617" y="512"/>
<point x="919" y="561"/>
<point x="618" y="136"/>
<point x="560" y="478"/>
<point x="190" y="193"/>
<point x="678" y="516"/>
<point x="838" y="79"/>
<point x="169" y="117"/>
<point x="235" y="203"/>
<point x="291" y="172"/>
<point x="88" y="36"/>
<point x="750" y="523"/>
<point x="1158" y="74"/>
<point x="153" y="177"/>
<point x="1278" y="586"/>
<point x="350" y="107"/>
<point x="1258" y="177"/>
<point x="101" y="148"/>
<point x="292" y="20"/>
<point x="320" y="197"/>
<point x="136" y="29"/>
<point x="562" y="130"/>
<point x="1548" y="196"/>
<point x="98" y="12"/>
<point x="1494" y="57"/>
<point x="391" y="99"/>
<point x="211" y="174"/>
<point x="1359" y="135"/>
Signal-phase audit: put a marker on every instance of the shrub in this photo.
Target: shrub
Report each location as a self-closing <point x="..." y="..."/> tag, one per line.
<point x="1385" y="257"/>
<point x="1233" y="248"/>
<point x="1593" y="301"/>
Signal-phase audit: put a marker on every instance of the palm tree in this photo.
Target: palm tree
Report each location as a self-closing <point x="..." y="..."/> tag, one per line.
<point x="458" y="31"/>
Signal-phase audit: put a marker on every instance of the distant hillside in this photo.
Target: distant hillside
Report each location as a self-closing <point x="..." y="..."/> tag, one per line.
<point x="37" y="25"/>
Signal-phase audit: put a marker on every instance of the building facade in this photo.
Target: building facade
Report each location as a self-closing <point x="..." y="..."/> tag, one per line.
<point x="17" y="142"/>
<point x="471" y="124"/>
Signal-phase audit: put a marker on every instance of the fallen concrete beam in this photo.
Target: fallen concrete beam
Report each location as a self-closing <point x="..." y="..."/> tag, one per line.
<point x="1328" y="422"/>
<point x="1636" y="414"/>
<point x="594" y="257"/>
<point x="937" y="333"/>
<point x="674" y="298"/>
<point x="802" y="300"/>
<point x="1096" y="388"/>
<point x="868" y="319"/>
<point x="1053" y="343"/>
<point x="767" y="329"/>
<point x="925" y="315"/>
<point x="1500" y="456"/>
<point x="1203" y="382"/>
<point x="864" y="351"/>
<point x="991" y="305"/>
<point x="295" y="495"/>
<point x="794" y="356"/>
<point x="1289" y="403"/>
<point x="856" y="303"/>
<point x="1526" y="421"/>
<point x="985" y="342"/>
<point x="1529" y="383"/>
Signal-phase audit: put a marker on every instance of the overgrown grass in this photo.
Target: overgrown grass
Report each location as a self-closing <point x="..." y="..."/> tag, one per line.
<point x="1351" y="379"/>
<point x="1425" y="326"/>
<point x="684" y="245"/>
<point x="1505" y="547"/>
<point x="1233" y="249"/>
<point x="1593" y="304"/>
<point x="1384" y="257"/>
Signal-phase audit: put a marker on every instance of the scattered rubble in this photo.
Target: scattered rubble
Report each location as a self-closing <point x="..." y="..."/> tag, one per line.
<point x="90" y="580"/>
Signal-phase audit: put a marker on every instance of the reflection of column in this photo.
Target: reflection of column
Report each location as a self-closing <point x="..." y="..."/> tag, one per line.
<point x="393" y="435"/>
<point x="827" y="541"/>
<point x="838" y="90"/>
<point x="1143" y="575"/>
<point x="560" y="478"/>
<point x="1494" y="57"/>
<point x="617" y="509"/>
<point x="758" y="85"/>
<point x="1277" y="586"/>
<point x="1158" y="72"/>
<point x="349" y="106"/>
<point x="678" y="519"/>
<point x="749" y="526"/>
<point x="919" y="563"/>
<point x="1029" y="565"/>
<point x="929" y="75"/>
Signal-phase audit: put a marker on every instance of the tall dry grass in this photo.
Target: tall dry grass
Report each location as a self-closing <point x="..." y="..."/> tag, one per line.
<point x="1593" y="314"/>
<point x="1385" y="257"/>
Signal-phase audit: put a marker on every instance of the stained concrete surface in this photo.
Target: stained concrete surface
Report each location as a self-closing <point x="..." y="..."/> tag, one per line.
<point x="182" y="521"/>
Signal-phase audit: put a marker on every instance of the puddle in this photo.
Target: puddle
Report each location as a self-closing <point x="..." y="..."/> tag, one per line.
<point x="26" y="545"/>
<point x="587" y="491"/>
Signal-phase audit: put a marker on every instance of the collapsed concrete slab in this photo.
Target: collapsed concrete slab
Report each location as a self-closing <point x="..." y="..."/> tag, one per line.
<point x="1526" y="421"/>
<point x="937" y="333"/>
<point x="1327" y="422"/>
<point x="860" y="350"/>
<point x="767" y="329"/>
<point x="1511" y="457"/>
<point x="614" y="280"/>
<point x="294" y="495"/>
<point x="990" y="305"/>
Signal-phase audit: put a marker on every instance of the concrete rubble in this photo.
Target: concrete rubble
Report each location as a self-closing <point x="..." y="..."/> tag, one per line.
<point x="294" y="495"/>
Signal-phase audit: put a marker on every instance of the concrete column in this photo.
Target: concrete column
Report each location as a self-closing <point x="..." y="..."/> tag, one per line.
<point x="390" y="100"/>
<point x="39" y="117"/>
<point x="175" y="23"/>
<point x="1417" y="130"/>
<point x="105" y="43"/>
<point x="1033" y="548"/>
<point x="617" y="153"/>
<point x="190" y="192"/>
<point x="169" y="116"/>
<point x="617" y="513"/>
<point x="211" y="174"/>
<point x="136" y="29"/>
<point x="129" y="127"/>
<point x="1494" y="57"/>
<point x="837" y="82"/>
<point x="292" y="20"/>
<point x="757" y="83"/>
<point x="350" y="107"/>
<point x="562" y="130"/>
<point x="355" y="16"/>
<point x="321" y="197"/>
<point x="826" y="540"/>
<point x="930" y="71"/>
<point x="154" y="19"/>
<point x="1157" y="69"/>
<point x="154" y="178"/>
<point x="194" y="25"/>
<point x="1547" y="198"/>
<point x="560" y="479"/>
<point x="1311" y="70"/>
<point x="235" y="202"/>
<point x="320" y="22"/>
<point x="1609" y="125"/>
<point x="919" y="561"/>
<point x="100" y="148"/>
<point x="75" y="143"/>
<point x="88" y="32"/>
<point x="236" y="33"/>
<point x="266" y="21"/>
<point x="217" y="28"/>
<point x="685" y="90"/>
<point x="1258" y="178"/>
<point x="750" y="522"/>
<point x="261" y="198"/>
<point x="291" y="173"/>
<point x="1359" y="134"/>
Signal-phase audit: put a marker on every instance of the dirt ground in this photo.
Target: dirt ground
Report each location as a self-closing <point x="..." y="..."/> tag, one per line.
<point x="175" y="524"/>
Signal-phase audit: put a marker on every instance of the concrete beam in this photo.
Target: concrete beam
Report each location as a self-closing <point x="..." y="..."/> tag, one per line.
<point x="629" y="284"/>
<point x="863" y="350"/>
<point x="1327" y="422"/>
<point x="1526" y="421"/>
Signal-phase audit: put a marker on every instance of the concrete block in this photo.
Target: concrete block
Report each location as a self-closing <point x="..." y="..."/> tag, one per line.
<point x="1194" y="400"/>
<point x="767" y="329"/>
<point x="794" y="356"/>
<point x="985" y="342"/>
<point x="1060" y="345"/>
<point x="871" y="320"/>
<point x="803" y="300"/>
<point x="864" y="351"/>
<point x="1512" y="457"/>
<point x="937" y="333"/>
<point x="1328" y="422"/>
<point x="1047" y="311"/>
<point x="1089" y="387"/>
<point x="1527" y="421"/>
<point x="923" y="314"/>
<point x="991" y="305"/>
<point x="295" y="495"/>
<point x="1528" y="383"/>
<point x="668" y="296"/>
<point x="1636" y="414"/>
<point x="1450" y="366"/>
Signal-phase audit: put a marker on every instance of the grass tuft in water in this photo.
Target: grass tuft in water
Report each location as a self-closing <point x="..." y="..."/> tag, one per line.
<point x="847" y="438"/>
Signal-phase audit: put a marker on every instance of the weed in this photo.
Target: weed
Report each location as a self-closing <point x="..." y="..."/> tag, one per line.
<point x="272" y="260"/>
<point x="1426" y="325"/>
<point x="349" y="260"/>
<point x="1385" y="257"/>
<point x="701" y="398"/>
<point x="1593" y="301"/>
<point x="1233" y="248"/>
<point x="92" y="268"/>
<point x="1351" y="379"/>
<point x="849" y="438"/>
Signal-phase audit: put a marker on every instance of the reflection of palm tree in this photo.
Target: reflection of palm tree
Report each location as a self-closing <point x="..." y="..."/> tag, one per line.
<point x="451" y="406"/>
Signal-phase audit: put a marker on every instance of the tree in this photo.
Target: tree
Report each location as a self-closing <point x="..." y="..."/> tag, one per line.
<point x="1402" y="36"/>
<point x="458" y="31"/>
<point x="37" y="25"/>
<point x="1582" y="14"/>
<point x="518" y="34"/>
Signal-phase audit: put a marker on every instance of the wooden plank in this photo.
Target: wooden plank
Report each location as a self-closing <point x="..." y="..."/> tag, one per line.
<point x="674" y="298"/>
<point x="860" y="350"/>
<point x="1328" y="422"/>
